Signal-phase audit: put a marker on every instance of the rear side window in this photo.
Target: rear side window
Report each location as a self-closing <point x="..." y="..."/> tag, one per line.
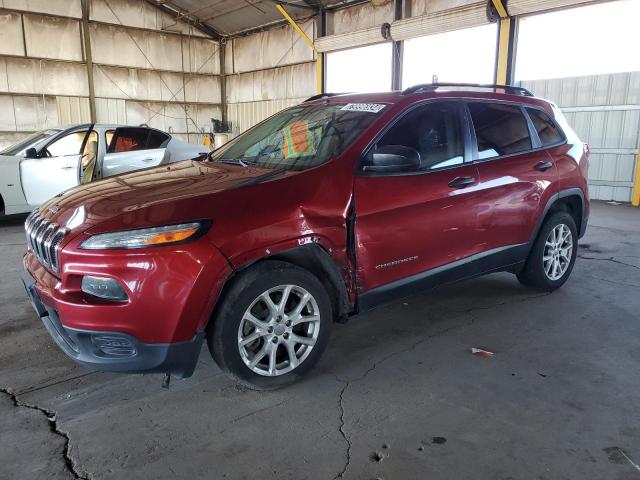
<point x="133" y="139"/>
<point x="129" y="140"/>
<point x="500" y="129"/>
<point x="547" y="130"/>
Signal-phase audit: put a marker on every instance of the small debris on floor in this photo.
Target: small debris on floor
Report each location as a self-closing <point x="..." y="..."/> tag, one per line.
<point x="377" y="457"/>
<point x="481" y="352"/>
<point x="439" y="440"/>
<point x="385" y="446"/>
<point x="543" y="375"/>
<point x="421" y="448"/>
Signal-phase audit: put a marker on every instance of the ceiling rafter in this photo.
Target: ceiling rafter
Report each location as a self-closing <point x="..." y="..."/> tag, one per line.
<point x="186" y="17"/>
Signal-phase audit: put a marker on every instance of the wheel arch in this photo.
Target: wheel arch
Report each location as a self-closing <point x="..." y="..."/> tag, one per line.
<point x="570" y="200"/>
<point x="313" y="258"/>
<point x="319" y="262"/>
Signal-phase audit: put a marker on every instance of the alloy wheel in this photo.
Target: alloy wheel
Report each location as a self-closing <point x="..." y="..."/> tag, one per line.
<point x="279" y="330"/>
<point x="558" y="250"/>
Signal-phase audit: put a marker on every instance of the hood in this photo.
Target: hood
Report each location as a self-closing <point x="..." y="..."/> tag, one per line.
<point x="163" y="194"/>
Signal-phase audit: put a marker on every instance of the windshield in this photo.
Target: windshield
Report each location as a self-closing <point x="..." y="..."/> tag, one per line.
<point x="299" y="138"/>
<point x="30" y="141"/>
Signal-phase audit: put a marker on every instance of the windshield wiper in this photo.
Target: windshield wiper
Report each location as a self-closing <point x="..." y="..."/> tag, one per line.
<point x="235" y="161"/>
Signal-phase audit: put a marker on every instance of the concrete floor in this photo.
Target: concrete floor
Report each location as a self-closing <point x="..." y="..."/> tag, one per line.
<point x="397" y="394"/>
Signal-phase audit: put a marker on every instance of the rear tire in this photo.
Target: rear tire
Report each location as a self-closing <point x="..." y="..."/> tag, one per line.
<point x="553" y="254"/>
<point x="272" y="325"/>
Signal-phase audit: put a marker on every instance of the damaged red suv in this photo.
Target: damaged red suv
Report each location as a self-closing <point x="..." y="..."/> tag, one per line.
<point x="323" y="210"/>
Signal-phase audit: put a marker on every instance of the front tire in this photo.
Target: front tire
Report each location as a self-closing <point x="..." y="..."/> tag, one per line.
<point x="272" y="325"/>
<point x="553" y="254"/>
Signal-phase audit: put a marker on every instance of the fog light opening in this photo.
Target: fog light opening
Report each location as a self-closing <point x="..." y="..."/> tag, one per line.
<point x="105" y="288"/>
<point x="113" y="345"/>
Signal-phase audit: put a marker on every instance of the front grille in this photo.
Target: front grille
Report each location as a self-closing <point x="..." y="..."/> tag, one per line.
<point x="43" y="239"/>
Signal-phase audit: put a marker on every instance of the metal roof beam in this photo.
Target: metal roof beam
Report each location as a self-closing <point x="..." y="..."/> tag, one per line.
<point x="166" y="7"/>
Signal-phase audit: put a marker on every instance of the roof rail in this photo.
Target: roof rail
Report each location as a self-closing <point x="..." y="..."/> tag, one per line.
<point x="321" y="95"/>
<point x="432" y="87"/>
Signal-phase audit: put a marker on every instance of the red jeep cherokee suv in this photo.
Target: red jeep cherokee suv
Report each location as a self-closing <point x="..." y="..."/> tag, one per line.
<point x="323" y="210"/>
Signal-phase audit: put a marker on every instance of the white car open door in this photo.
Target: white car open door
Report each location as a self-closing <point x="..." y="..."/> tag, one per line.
<point x="54" y="169"/>
<point x="134" y="148"/>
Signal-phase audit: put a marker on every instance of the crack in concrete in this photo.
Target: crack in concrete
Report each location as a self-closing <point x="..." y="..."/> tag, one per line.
<point x="32" y="389"/>
<point x="348" y="383"/>
<point x="343" y="433"/>
<point x="53" y="427"/>
<point x="612" y="259"/>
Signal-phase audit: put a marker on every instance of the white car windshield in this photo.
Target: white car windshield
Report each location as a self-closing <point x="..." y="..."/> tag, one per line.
<point x="299" y="138"/>
<point x="31" y="141"/>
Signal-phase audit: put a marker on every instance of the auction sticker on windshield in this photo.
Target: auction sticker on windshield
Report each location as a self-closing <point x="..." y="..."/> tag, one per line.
<point x="363" y="107"/>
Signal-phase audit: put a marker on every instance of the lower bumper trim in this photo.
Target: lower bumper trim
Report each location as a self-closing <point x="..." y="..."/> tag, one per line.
<point x="116" y="351"/>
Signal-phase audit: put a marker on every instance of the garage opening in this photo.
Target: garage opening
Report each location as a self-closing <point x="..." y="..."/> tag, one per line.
<point x="466" y="55"/>
<point x="592" y="72"/>
<point x="360" y="70"/>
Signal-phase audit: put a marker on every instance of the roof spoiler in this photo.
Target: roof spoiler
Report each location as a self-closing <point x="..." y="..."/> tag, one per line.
<point x="321" y="95"/>
<point x="432" y="87"/>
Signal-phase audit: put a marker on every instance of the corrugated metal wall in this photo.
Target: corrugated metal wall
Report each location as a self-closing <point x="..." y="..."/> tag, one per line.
<point x="267" y="72"/>
<point x="604" y="110"/>
<point x="148" y="68"/>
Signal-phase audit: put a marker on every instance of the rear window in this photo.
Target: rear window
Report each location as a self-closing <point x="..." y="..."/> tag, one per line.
<point x="500" y="129"/>
<point x="547" y="130"/>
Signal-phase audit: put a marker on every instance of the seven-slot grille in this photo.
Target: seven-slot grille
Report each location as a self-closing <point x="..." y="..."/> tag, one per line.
<point x="43" y="239"/>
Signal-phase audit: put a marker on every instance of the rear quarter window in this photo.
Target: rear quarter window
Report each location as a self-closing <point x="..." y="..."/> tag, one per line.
<point x="157" y="139"/>
<point x="548" y="132"/>
<point x="500" y="129"/>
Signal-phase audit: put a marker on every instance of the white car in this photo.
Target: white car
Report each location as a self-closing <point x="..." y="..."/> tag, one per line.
<point x="51" y="161"/>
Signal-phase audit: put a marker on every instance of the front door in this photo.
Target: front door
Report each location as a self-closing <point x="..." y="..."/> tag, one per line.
<point x="55" y="170"/>
<point x="412" y="222"/>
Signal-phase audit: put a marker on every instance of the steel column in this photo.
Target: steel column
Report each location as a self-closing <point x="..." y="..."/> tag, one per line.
<point x="86" y="35"/>
<point x="397" y="49"/>
<point x="506" y="47"/>
<point x="635" y="194"/>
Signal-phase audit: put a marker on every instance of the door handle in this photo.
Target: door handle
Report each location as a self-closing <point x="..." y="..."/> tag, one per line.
<point x="147" y="160"/>
<point x="461" y="182"/>
<point x="67" y="167"/>
<point x="543" y="166"/>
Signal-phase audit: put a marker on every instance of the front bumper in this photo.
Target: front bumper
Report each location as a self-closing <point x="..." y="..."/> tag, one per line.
<point x="115" y="351"/>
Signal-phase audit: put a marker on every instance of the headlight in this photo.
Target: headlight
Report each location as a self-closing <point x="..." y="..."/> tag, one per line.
<point x="146" y="237"/>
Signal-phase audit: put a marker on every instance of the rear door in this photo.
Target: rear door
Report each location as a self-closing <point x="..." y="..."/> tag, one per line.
<point x="517" y="175"/>
<point x="56" y="169"/>
<point x="134" y="148"/>
<point x="408" y="223"/>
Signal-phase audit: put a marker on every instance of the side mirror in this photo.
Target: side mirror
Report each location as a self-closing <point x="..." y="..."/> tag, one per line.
<point x="31" y="153"/>
<point x="394" y="159"/>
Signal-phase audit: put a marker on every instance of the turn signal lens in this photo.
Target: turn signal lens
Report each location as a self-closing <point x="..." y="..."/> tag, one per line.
<point x="146" y="237"/>
<point x="171" y="237"/>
